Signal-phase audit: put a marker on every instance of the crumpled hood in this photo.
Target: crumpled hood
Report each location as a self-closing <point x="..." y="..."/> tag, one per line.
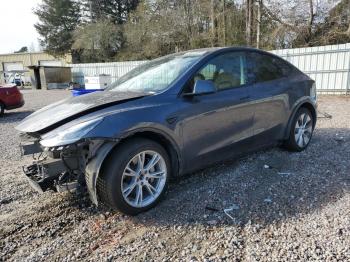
<point x="71" y="108"/>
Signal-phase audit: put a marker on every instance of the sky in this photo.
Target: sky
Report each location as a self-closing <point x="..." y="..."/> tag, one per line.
<point x="17" y="25"/>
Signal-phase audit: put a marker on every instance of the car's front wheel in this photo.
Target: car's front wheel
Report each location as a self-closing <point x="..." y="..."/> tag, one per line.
<point x="301" y="130"/>
<point x="134" y="177"/>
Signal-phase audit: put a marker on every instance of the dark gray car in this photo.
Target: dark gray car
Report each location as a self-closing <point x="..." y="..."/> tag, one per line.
<point x="168" y="117"/>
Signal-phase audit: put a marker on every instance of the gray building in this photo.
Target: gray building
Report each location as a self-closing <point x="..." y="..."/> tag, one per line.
<point x="31" y="68"/>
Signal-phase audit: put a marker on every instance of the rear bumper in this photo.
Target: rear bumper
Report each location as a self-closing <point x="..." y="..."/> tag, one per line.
<point x="14" y="106"/>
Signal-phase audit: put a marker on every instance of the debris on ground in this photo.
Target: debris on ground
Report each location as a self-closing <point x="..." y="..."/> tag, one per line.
<point x="268" y="200"/>
<point x="278" y="172"/>
<point x="212" y="208"/>
<point x="284" y="173"/>
<point x="231" y="208"/>
<point x="339" y="138"/>
<point x="323" y="115"/>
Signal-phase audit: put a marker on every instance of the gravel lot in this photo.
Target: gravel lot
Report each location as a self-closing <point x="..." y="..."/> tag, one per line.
<point x="300" y="210"/>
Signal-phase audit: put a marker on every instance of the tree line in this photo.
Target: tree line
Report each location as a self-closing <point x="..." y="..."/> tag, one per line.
<point x="112" y="30"/>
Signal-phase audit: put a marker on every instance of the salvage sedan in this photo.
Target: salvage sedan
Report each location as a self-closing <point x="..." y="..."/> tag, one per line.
<point x="166" y="118"/>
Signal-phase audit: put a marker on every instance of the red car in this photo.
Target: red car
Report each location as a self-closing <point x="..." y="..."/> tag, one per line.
<point x="10" y="98"/>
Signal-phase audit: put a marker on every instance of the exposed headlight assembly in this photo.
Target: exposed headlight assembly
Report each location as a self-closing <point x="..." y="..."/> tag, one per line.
<point x="61" y="137"/>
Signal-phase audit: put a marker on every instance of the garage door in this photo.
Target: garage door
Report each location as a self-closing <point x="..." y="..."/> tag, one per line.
<point x="50" y="63"/>
<point x="13" y="66"/>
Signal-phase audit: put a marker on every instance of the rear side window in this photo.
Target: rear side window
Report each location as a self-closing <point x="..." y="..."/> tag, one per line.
<point x="286" y="68"/>
<point x="263" y="68"/>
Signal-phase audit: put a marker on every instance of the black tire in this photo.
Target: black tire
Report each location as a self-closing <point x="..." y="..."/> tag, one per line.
<point x="109" y="189"/>
<point x="2" y="109"/>
<point x="291" y="143"/>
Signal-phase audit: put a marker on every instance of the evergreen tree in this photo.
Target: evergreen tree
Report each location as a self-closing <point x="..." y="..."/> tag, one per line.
<point x="57" y="21"/>
<point x="116" y="11"/>
<point x="23" y="49"/>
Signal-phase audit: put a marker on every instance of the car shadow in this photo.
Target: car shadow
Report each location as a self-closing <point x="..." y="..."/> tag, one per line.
<point x="261" y="188"/>
<point x="15" y="116"/>
<point x="265" y="187"/>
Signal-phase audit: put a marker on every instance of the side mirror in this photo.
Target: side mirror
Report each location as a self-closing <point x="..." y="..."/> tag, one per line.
<point x="202" y="87"/>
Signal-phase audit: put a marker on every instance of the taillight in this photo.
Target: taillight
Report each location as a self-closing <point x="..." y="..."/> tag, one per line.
<point x="313" y="92"/>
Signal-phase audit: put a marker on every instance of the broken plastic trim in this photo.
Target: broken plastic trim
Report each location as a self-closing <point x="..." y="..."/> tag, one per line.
<point x="58" y="170"/>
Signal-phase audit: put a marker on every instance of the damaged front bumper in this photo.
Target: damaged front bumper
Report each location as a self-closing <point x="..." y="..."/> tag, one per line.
<point x="65" y="168"/>
<point x="47" y="174"/>
<point x="55" y="169"/>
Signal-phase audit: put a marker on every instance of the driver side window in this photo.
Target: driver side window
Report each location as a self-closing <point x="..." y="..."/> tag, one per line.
<point x="226" y="71"/>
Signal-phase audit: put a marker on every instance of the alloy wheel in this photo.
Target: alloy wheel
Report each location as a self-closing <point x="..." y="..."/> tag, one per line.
<point x="303" y="130"/>
<point x="143" y="179"/>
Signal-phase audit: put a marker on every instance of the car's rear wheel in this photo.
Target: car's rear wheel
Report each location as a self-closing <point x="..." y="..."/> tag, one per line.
<point x="2" y="109"/>
<point x="134" y="177"/>
<point x="301" y="130"/>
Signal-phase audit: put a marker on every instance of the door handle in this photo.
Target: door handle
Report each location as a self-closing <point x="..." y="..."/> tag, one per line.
<point x="244" y="98"/>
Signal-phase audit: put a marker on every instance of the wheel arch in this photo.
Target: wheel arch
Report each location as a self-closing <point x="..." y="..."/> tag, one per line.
<point x="306" y="104"/>
<point x="164" y="140"/>
<point x="93" y="168"/>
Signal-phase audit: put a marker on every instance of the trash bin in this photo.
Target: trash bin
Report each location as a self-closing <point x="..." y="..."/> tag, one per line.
<point x="79" y="92"/>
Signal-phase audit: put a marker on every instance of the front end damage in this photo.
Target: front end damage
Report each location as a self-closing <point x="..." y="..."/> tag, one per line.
<point x="64" y="168"/>
<point x="70" y="139"/>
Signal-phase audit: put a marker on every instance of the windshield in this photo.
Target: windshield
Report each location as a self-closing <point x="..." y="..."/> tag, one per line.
<point x="156" y="75"/>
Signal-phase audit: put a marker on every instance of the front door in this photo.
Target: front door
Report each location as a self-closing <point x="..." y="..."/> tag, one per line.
<point x="216" y="126"/>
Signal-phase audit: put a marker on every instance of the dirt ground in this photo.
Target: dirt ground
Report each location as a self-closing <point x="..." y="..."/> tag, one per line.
<point x="300" y="210"/>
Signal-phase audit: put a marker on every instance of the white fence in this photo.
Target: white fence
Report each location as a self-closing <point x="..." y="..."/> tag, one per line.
<point x="116" y="70"/>
<point x="329" y="66"/>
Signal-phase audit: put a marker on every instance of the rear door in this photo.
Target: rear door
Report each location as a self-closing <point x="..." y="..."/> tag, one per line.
<point x="269" y="94"/>
<point x="213" y="125"/>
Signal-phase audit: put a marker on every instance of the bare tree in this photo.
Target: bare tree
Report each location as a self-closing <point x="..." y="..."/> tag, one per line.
<point x="224" y="21"/>
<point x="258" y="20"/>
<point x="249" y="21"/>
<point x="214" y="23"/>
<point x="298" y="20"/>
